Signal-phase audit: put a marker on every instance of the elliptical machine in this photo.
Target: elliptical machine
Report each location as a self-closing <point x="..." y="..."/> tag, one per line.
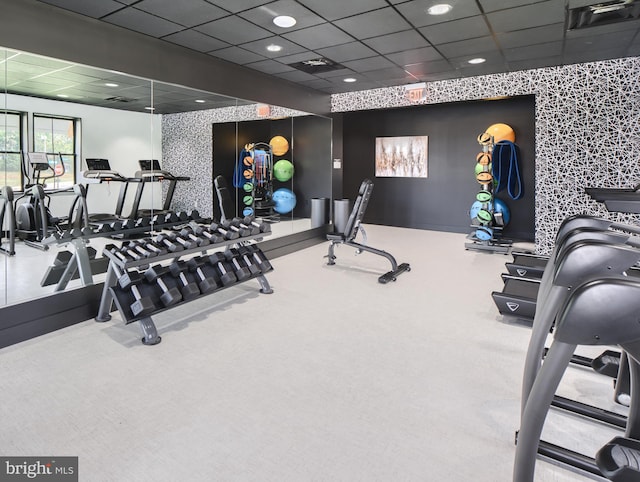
<point x="34" y="221"/>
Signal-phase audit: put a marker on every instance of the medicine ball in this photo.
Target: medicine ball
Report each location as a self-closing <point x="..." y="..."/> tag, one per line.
<point x="283" y="170"/>
<point x="284" y="199"/>
<point x="279" y="145"/>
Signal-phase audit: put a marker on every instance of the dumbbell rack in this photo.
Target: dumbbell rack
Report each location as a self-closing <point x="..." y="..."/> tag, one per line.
<point x="113" y="293"/>
<point x="81" y="261"/>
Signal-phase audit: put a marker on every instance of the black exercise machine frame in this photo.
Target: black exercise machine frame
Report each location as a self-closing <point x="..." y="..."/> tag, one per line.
<point x="351" y="230"/>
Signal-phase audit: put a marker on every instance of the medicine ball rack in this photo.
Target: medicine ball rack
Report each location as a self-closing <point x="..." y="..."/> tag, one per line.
<point x="141" y="291"/>
<point x="486" y="232"/>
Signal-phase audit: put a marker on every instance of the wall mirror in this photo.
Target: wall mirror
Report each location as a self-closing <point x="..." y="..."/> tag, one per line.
<point x="74" y="112"/>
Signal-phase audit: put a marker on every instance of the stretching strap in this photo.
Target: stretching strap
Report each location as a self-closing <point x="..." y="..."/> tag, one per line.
<point x="507" y="152"/>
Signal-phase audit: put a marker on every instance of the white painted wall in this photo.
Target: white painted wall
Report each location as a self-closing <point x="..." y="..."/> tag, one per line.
<point x="123" y="137"/>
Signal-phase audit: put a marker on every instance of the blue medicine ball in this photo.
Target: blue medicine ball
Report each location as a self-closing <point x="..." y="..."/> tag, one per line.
<point x="285" y="200"/>
<point x="477" y="206"/>
<point x="501" y="207"/>
<point x="484" y="233"/>
<point x="247" y="211"/>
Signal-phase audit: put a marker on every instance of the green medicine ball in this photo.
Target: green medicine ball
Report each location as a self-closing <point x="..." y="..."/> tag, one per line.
<point x="283" y="170"/>
<point x="247" y="200"/>
<point x="484" y="196"/>
<point x="481" y="167"/>
<point x="248" y="187"/>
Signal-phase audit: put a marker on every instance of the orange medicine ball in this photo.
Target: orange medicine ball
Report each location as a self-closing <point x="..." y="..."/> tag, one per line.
<point x="483" y="158"/>
<point x="279" y="145"/>
<point x="501" y="132"/>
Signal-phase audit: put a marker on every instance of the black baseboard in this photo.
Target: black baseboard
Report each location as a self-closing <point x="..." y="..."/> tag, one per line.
<point x="23" y="321"/>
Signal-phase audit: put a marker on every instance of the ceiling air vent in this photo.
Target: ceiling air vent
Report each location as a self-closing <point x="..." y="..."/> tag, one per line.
<point x="119" y="98"/>
<point x="317" y="66"/>
<point x="603" y="13"/>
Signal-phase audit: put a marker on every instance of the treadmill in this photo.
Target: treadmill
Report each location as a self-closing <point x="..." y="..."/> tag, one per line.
<point x="99" y="171"/>
<point x="150" y="171"/>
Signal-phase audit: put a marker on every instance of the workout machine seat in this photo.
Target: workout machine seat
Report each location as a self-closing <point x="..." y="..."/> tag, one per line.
<point x="351" y="231"/>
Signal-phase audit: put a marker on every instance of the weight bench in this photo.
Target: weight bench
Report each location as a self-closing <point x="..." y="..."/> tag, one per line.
<point x="351" y="231"/>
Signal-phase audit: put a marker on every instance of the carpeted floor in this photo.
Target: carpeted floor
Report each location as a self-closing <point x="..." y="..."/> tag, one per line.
<point x="333" y="377"/>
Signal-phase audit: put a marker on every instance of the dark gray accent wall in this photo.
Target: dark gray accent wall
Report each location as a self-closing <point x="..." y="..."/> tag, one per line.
<point x="42" y="29"/>
<point x="442" y="200"/>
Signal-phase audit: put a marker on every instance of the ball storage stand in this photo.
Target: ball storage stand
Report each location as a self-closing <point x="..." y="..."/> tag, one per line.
<point x="140" y="290"/>
<point x="490" y="228"/>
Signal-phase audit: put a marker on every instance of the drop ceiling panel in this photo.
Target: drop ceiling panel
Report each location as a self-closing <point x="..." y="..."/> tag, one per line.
<point x="465" y="28"/>
<point x="195" y="40"/>
<point x="269" y="66"/>
<point x="372" y="63"/>
<point x="333" y="10"/>
<point x="195" y="13"/>
<point x="345" y="52"/>
<point x="91" y="8"/>
<point x="533" y="51"/>
<point x="468" y="47"/>
<point x="396" y="42"/>
<point x="142" y="22"/>
<point x="416" y="11"/>
<point x="233" y="30"/>
<point x="373" y="24"/>
<point x="238" y="54"/>
<point x="260" y="47"/>
<point x="235" y="6"/>
<point x="264" y="15"/>
<point x="319" y="36"/>
<point x="493" y="5"/>
<point x="528" y="16"/>
<point x="531" y="36"/>
<point x="415" y="56"/>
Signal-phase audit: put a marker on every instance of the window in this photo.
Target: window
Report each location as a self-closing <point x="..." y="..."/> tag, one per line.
<point x="56" y="136"/>
<point x="10" y="142"/>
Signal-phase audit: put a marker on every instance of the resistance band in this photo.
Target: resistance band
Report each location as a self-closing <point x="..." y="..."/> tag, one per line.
<point x="503" y="152"/>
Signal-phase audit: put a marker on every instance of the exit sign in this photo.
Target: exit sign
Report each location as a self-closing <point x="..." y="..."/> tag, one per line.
<point x="416" y="92"/>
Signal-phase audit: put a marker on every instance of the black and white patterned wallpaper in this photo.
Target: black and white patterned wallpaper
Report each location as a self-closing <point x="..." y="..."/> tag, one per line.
<point x="587" y="130"/>
<point x="187" y="150"/>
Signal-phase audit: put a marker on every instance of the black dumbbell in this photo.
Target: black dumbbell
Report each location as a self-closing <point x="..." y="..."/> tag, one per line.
<point x="227" y="233"/>
<point x="128" y="224"/>
<point x="194" y="215"/>
<point x="142" y="222"/>
<point x="117" y="252"/>
<point x="115" y="225"/>
<point x="167" y="241"/>
<point x="189" y="289"/>
<point x="104" y="228"/>
<point x="264" y="227"/>
<point x="189" y="233"/>
<point x="240" y="270"/>
<point x="205" y="283"/>
<point x="213" y="237"/>
<point x="143" y="250"/>
<point x="227" y="275"/>
<point x="248" y="259"/>
<point x="242" y="232"/>
<point x="170" y="296"/>
<point x="239" y="222"/>
<point x="186" y="243"/>
<point x="143" y="305"/>
<point x="260" y="258"/>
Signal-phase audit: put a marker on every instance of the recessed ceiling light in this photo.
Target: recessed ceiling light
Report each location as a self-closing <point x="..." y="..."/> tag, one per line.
<point x="284" y="21"/>
<point x="111" y="84"/>
<point x="64" y="96"/>
<point x="274" y="48"/>
<point x="349" y="79"/>
<point x="477" y="60"/>
<point x="439" y="9"/>
<point x="200" y="101"/>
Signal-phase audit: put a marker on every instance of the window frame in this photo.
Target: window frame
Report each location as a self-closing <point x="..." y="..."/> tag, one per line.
<point x="75" y="155"/>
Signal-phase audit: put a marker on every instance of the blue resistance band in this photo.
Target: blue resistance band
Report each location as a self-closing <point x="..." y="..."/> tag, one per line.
<point x="499" y="158"/>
